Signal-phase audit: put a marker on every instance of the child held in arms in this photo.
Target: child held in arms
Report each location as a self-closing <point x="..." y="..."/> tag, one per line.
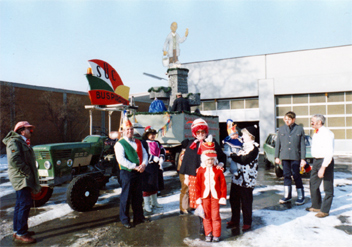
<point x="210" y="191"/>
<point x="232" y="144"/>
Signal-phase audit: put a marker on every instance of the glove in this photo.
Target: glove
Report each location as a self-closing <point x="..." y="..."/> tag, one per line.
<point x="222" y="201"/>
<point x="186" y="182"/>
<point x="161" y="161"/>
<point x="156" y="159"/>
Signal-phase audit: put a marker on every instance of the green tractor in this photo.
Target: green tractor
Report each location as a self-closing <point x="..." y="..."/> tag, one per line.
<point x="86" y="165"/>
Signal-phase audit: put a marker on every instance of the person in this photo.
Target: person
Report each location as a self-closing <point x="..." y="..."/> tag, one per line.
<point x="232" y="143"/>
<point x="151" y="183"/>
<point x="290" y="150"/>
<point x="322" y="149"/>
<point x="242" y="185"/>
<point x="190" y="163"/>
<point x="171" y="45"/>
<point x="211" y="191"/>
<point x="23" y="176"/>
<point x="132" y="159"/>
<point x="180" y="104"/>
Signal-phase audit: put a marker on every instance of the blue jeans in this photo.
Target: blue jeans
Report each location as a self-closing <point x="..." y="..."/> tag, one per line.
<point x="291" y="168"/>
<point x="23" y="205"/>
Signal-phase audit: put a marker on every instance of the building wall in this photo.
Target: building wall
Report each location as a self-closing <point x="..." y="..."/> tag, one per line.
<point x="298" y="74"/>
<point x="26" y="105"/>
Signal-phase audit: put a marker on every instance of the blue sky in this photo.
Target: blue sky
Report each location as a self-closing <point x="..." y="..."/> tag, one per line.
<point x="48" y="43"/>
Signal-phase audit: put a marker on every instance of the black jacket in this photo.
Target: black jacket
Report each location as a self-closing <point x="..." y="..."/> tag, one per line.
<point x="191" y="160"/>
<point x="181" y="104"/>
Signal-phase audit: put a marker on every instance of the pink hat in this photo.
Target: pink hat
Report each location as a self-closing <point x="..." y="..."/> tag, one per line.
<point x="22" y="124"/>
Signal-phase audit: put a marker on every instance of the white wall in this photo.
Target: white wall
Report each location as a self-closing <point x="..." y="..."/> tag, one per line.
<point x="320" y="70"/>
<point x="227" y="78"/>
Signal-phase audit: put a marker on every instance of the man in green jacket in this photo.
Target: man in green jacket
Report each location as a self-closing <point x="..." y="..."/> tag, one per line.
<point x="23" y="176"/>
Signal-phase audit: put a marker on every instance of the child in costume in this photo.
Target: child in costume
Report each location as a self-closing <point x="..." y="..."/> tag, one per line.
<point x="232" y="144"/>
<point x="242" y="185"/>
<point x="210" y="191"/>
<point x="151" y="181"/>
<point x="191" y="162"/>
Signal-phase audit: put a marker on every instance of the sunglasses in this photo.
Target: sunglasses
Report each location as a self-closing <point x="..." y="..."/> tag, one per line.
<point x="200" y="132"/>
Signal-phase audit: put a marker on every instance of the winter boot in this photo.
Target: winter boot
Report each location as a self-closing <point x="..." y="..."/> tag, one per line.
<point x="154" y="201"/>
<point x="147" y="204"/>
<point x="300" y="196"/>
<point x="209" y="237"/>
<point x="288" y="195"/>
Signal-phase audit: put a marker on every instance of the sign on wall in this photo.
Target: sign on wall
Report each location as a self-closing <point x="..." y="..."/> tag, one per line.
<point x="106" y="86"/>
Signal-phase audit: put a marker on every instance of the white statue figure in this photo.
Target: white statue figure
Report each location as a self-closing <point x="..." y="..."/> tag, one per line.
<point x="171" y="46"/>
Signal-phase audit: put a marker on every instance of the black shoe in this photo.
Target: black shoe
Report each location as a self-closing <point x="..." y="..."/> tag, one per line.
<point x="140" y="221"/>
<point x="127" y="225"/>
<point x="231" y="224"/>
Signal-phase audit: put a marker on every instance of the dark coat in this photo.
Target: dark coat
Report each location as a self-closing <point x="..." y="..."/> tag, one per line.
<point x="290" y="144"/>
<point x="191" y="160"/>
<point x="21" y="163"/>
<point x="181" y="104"/>
<point x="151" y="180"/>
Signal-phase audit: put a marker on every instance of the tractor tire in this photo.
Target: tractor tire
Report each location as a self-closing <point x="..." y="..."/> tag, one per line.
<point x="266" y="163"/>
<point x="102" y="182"/>
<point x="278" y="171"/>
<point x="42" y="197"/>
<point x="82" y="193"/>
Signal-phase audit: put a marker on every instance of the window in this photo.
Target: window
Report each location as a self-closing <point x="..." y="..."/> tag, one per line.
<point x="317" y="98"/>
<point x="300" y="98"/>
<point x="223" y="105"/>
<point x="336" y="122"/>
<point x="281" y="111"/>
<point x="237" y="104"/>
<point x="336" y="97"/>
<point x="336" y="109"/>
<point x="209" y="106"/>
<point x="283" y="99"/>
<point x="300" y="110"/>
<point x="252" y="103"/>
<point x="317" y="109"/>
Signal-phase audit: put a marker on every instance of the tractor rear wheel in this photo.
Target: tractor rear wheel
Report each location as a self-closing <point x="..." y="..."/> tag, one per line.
<point x="82" y="193"/>
<point x="42" y="197"/>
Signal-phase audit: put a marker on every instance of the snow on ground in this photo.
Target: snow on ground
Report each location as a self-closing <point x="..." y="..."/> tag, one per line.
<point x="303" y="227"/>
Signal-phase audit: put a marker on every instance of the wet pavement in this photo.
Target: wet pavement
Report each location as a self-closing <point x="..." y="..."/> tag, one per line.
<point x="101" y="226"/>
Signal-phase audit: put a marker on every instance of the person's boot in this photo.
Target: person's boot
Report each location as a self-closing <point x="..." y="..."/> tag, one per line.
<point x="287" y="195"/>
<point x="300" y="196"/>
<point x="155" y="201"/>
<point x="201" y="228"/>
<point x="147" y="204"/>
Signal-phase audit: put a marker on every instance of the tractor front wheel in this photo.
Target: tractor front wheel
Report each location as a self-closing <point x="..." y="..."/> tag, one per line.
<point x="82" y="193"/>
<point x="42" y="197"/>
